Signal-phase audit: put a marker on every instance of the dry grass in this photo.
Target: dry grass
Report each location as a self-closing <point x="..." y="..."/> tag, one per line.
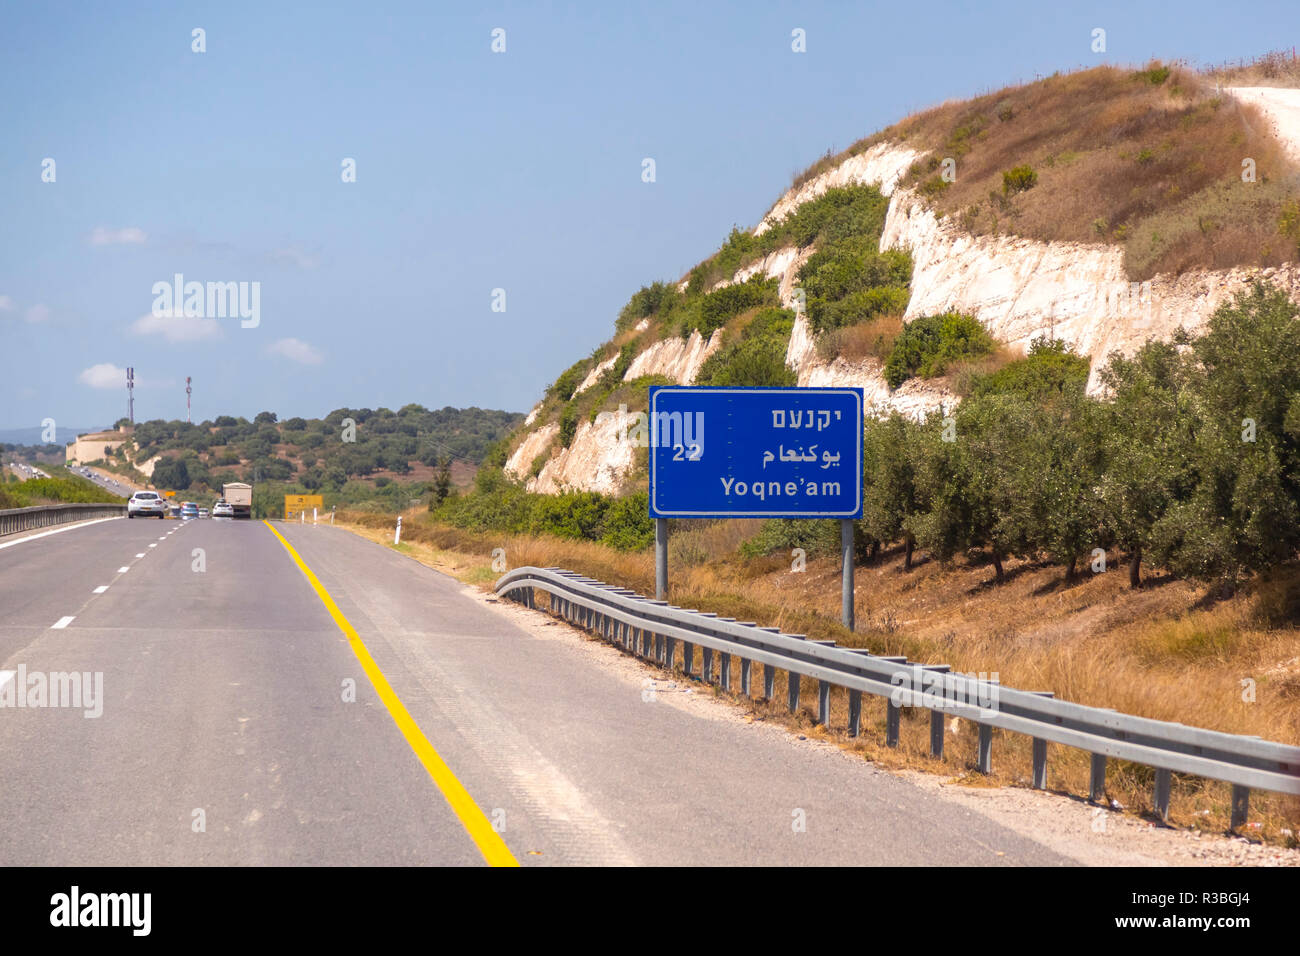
<point x="962" y="375"/>
<point x="873" y="339"/>
<point x="1154" y="166"/>
<point x="1277" y="68"/>
<point x="1163" y="651"/>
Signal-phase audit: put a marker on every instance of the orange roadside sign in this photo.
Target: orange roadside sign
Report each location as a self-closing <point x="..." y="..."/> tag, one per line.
<point x="296" y="504"/>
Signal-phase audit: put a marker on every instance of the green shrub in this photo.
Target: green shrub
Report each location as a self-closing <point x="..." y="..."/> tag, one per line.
<point x="1288" y="223"/>
<point x="718" y="308"/>
<point x="758" y="358"/>
<point x="1018" y="179"/>
<point x="576" y="514"/>
<point x="568" y="425"/>
<point x="832" y="217"/>
<point x="857" y="307"/>
<point x="645" y="302"/>
<point x="61" y="488"/>
<point x="1050" y="368"/>
<point x="10" y="498"/>
<point x="628" y="525"/>
<point x="851" y="281"/>
<point x="1155" y="75"/>
<point x="930" y="344"/>
<point x="495" y="503"/>
<point x="784" y="534"/>
<point x="934" y="186"/>
<point x="569" y="380"/>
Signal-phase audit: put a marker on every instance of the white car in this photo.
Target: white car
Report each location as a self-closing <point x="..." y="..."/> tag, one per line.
<point x="203" y="512"/>
<point x="223" y="509"/>
<point x="147" y="504"/>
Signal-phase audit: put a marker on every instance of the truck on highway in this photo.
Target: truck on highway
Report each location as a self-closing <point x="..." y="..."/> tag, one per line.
<point x="240" y="498"/>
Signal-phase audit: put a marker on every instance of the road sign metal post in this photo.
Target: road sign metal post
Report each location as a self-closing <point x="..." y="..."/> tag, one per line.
<point x="661" y="559"/>
<point x="846" y="585"/>
<point x="756" y="453"/>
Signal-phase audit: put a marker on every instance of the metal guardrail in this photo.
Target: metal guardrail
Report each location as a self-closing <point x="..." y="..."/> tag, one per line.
<point x="652" y="629"/>
<point x="13" y="520"/>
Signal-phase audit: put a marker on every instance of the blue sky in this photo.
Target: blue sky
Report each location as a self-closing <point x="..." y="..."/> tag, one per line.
<point x="475" y="171"/>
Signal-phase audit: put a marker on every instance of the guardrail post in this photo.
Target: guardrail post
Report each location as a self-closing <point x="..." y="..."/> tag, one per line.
<point x="1240" y="806"/>
<point x="688" y="657"/>
<point x="893" y="713"/>
<point x="986" y="748"/>
<point x="855" y="712"/>
<point x="659" y="648"/>
<point x="936" y="734"/>
<point x="1097" y="778"/>
<point x="1040" y="764"/>
<point x="1160" y="799"/>
<point x="792" y="683"/>
<point x="769" y="681"/>
<point x="725" y="667"/>
<point x="744" y="676"/>
<point x="707" y="670"/>
<point x="824" y="700"/>
<point x="670" y="648"/>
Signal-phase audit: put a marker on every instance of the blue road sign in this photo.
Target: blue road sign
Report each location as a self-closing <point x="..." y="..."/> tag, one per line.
<point x="755" y="452"/>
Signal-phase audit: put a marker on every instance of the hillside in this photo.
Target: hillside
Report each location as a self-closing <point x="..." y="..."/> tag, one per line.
<point x="1104" y="209"/>
<point x="350" y="454"/>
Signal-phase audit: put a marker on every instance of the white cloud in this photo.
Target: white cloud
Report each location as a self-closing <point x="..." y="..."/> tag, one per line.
<point x="103" y="375"/>
<point x="36" y="314"/>
<point x="6" y="303"/>
<point x="130" y="235"/>
<point x="296" y="350"/>
<point x="176" y="328"/>
<point x="294" y="256"/>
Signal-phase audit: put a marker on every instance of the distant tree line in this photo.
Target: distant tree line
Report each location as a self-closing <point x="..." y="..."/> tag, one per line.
<point x="319" y="454"/>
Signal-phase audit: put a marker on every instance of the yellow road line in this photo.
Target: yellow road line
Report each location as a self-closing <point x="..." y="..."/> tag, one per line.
<point x="487" y="840"/>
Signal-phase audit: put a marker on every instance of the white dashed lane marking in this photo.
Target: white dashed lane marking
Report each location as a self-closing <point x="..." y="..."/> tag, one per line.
<point x="123" y="570"/>
<point x="101" y="589"/>
<point x="140" y="555"/>
<point x="61" y="623"/>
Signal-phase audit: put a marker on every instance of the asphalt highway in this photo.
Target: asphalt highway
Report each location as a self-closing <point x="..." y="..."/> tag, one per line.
<point x="243" y="720"/>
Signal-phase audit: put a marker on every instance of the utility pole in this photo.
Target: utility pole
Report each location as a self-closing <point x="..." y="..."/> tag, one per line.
<point x="187" y="399"/>
<point x="130" y="395"/>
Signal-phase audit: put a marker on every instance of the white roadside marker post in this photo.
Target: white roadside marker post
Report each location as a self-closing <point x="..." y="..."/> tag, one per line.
<point x="397" y="535"/>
